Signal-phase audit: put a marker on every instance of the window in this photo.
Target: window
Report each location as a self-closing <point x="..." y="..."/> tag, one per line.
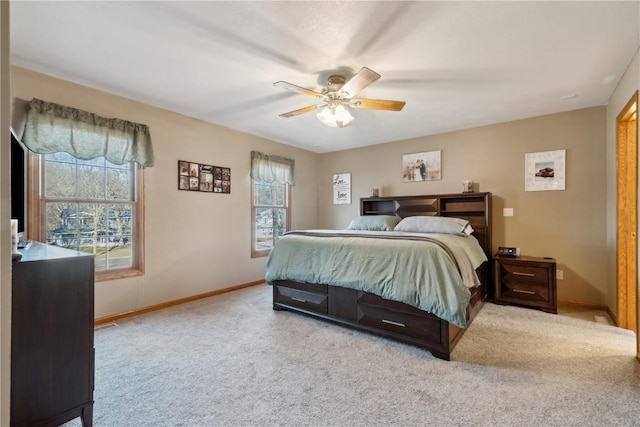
<point x="271" y="179"/>
<point x="270" y="214"/>
<point x="93" y="206"/>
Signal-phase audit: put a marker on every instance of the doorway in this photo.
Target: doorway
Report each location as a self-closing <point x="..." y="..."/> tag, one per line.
<point x="626" y="228"/>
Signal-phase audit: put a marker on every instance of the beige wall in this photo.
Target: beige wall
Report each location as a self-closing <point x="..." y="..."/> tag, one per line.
<point x="567" y="225"/>
<point x="195" y="242"/>
<point x="193" y="238"/>
<point x="628" y="85"/>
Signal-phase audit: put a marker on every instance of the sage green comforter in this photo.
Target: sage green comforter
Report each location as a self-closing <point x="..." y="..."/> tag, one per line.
<point x="422" y="270"/>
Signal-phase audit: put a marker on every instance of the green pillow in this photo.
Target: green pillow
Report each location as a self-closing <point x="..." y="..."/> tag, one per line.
<point x="374" y="223"/>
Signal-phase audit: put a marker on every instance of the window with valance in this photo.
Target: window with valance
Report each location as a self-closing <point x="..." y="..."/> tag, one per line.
<point x="272" y="178"/>
<point x="87" y="193"/>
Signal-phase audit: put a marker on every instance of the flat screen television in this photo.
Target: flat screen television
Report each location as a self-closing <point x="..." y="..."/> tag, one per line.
<point x="18" y="184"/>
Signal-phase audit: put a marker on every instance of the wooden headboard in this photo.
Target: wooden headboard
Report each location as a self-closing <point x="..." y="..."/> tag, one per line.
<point x="474" y="207"/>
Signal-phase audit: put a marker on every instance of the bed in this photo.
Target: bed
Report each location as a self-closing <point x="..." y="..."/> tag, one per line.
<point x="430" y="321"/>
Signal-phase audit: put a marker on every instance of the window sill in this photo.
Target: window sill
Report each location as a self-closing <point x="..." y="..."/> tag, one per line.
<point x="260" y="254"/>
<point x="117" y="274"/>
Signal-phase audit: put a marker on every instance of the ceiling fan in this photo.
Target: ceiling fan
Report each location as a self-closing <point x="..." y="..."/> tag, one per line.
<point x="338" y="94"/>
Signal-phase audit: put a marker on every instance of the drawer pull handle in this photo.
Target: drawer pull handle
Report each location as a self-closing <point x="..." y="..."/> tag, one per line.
<point x="524" y="292"/>
<point x="299" y="299"/>
<point x="391" y="322"/>
<point x="523" y="274"/>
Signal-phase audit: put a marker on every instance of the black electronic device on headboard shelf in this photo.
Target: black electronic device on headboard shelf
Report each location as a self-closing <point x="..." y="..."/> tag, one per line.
<point x="507" y="251"/>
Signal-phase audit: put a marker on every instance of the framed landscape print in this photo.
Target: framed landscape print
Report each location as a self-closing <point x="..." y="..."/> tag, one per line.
<point x="545" y="171"/>
<point x="418" y="167"/>
<point x="206" y="178"/>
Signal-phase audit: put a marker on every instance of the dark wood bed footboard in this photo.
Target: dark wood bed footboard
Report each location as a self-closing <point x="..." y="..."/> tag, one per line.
<point x="371" y="313"/>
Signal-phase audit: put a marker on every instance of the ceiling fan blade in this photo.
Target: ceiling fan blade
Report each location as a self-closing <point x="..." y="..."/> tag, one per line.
<point x="361" y="80"/>
<point x="299" y="89"/>
<point x="302" y="110"/>
<point x="376" y="104"/>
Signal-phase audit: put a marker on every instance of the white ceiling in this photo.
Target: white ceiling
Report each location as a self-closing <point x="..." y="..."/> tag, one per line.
<point x="456" y="64"/>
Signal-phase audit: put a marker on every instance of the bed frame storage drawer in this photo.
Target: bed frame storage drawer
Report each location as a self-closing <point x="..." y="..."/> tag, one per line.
<point x="397" y="317"/>
<point x="401" y="323"/>
<point x="308" y="296"/>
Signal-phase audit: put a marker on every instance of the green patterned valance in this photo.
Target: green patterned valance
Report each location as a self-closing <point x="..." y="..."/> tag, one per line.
<point x="53" y="128"/>
<point x="272" y="168"/>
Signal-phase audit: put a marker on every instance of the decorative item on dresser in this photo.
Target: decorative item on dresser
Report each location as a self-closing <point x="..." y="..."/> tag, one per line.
<point x="397" y="320"/>
<point x="52" y="355"/>
<point x="526" y="281"/>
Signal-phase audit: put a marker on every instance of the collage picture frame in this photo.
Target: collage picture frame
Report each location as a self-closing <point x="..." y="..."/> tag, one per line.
<point x="194" y="176"/>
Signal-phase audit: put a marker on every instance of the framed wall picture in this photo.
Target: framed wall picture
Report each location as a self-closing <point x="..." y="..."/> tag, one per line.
<point x="545" y="171"/>
<point x="342" y="189"/>
<point x="206" y="178"/>
<point x="419" y="167"/>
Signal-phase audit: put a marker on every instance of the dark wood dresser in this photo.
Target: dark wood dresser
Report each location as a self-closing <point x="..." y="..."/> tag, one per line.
<point x="526" y="281"/>
<point x="52" y="354"/>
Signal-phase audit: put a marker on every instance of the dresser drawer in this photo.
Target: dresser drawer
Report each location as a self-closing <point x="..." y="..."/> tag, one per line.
<point x="309" y="296"/>
<point x="524" y="273"/>
<point x="525" y="292"/>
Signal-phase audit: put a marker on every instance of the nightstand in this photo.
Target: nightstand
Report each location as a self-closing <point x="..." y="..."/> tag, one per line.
<point x="526" y="281"/>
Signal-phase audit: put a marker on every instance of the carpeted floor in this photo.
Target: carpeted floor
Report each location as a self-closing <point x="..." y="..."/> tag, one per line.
<point x="231" y="360"/>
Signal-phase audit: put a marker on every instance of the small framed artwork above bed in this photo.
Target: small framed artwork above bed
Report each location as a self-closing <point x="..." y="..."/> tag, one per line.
<point x="425" y="166"/>
<point x="411" y="268"/>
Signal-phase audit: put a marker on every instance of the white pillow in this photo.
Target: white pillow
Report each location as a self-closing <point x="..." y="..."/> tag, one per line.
<point x="434" y="224"/>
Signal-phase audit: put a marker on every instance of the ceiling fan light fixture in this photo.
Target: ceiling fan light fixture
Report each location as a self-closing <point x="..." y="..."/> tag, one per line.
<point x="337" y="95"/>
<point x="335" y="116"/>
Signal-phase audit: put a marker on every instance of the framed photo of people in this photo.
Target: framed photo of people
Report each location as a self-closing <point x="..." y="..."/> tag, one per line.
<point x="200" y="177"/>
<point x="421" y="166"/>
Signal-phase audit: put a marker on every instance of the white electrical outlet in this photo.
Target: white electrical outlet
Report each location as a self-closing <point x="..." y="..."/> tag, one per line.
<point x="507" y="211"/>
<point x="559" y="274"/>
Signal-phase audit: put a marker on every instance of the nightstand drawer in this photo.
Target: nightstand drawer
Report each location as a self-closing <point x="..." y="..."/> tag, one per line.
<point x="524" y="292"/>
<point x="524" y="273"/>
<point x="526" y="281"/>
